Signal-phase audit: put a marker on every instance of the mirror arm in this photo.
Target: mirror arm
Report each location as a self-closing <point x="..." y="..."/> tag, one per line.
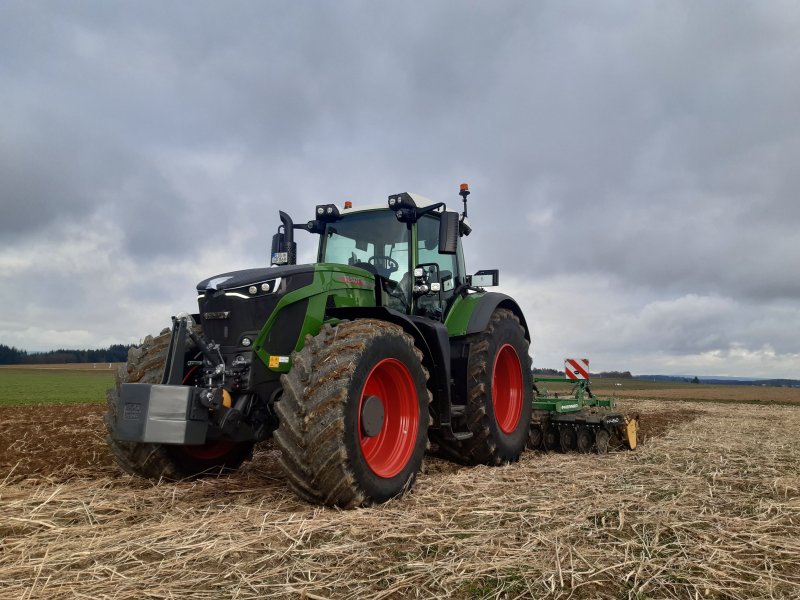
<point x="431" y="208"/>
<point x="465" y="287"/>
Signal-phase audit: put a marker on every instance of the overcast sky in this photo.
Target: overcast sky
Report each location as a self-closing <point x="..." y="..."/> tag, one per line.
<point x="635" y="166"/>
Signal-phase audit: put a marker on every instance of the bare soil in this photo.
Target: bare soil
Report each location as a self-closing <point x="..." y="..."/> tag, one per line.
<point x="58" y="442"/>
<point x="62" y="442"/>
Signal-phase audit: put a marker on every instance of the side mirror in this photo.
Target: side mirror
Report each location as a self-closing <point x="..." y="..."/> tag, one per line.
<point x="277" y="242"/>
<point x="486" y="278"/>
<point x="448" y="233"/>
<point x="277" y="250"/>
<point x="282" y="253"/>
<point x="284" y="248"/>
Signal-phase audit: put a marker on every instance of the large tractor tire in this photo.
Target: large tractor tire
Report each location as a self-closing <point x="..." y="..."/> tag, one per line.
<point x="354" y="414"/>
<point x="499" y="394"/>
<point x="165" y="461"/>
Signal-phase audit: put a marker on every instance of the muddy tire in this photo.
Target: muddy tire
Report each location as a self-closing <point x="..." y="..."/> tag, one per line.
<point x="164" y="461"/>
<point x="334" y="449"/>
<point x="499" y="394"/>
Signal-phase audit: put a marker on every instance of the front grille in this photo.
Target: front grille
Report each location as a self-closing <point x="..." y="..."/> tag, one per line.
<point x="245" y="315"/>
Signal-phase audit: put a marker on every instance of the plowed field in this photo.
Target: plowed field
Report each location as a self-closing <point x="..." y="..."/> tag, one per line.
<point x="708" y="506"/>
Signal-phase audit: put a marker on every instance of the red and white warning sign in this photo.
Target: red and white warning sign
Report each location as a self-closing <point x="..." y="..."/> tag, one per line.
<point x="576" y="368"/>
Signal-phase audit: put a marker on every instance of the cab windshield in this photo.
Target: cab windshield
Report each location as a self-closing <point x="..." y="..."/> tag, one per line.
<point x="374" y="240"/>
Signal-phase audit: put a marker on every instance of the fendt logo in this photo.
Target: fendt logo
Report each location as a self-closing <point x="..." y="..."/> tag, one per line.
<point x="352" y="280"/>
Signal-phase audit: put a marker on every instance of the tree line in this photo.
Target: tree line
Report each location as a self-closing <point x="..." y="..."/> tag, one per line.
<point x="10" y="355"/>
<point x="610" y="374"/>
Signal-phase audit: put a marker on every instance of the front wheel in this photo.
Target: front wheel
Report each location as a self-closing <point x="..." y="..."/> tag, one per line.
<point x="354" y="414"/>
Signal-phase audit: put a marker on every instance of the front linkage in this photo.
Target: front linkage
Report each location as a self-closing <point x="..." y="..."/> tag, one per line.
<point x="173" y="412"/>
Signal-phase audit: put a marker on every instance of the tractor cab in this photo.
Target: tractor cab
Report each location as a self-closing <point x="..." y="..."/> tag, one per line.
<point x="412" y="248"/>
<point x="412" y="273"/>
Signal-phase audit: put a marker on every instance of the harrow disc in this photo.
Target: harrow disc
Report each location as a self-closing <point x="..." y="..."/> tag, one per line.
<point x="584" y="440"/>
<point x="601" y="439"/>
<point x="550" y="438"/>
<point x="535" y="437"/>
<point x="567" y="438"/>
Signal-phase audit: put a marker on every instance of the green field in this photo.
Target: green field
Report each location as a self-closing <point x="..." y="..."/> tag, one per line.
<point x="53" y="386"/>
<point x="69" y="384"/>
<point x="639" y="389"/>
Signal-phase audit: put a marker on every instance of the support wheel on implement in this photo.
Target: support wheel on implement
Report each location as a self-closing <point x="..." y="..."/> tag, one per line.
<point x="499" y="393"/>
<point x="354" y="414"/>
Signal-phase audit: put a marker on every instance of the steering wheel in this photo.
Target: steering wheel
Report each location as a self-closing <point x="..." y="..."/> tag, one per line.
<point x="384" y="263"/>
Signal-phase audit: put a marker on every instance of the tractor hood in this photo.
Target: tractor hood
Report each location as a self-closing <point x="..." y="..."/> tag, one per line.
<point x="233" y="306"/>
<point x="247" y="277"/>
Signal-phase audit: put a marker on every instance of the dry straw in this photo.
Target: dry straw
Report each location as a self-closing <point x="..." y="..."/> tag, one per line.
<point x="709" y="508"/>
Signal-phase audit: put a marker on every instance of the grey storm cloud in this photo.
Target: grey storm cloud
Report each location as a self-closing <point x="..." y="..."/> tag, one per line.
<point x="647" y="149"/>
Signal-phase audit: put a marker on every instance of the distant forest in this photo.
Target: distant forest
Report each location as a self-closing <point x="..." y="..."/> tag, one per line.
<point x="557" y="373"/>
<point x="14" y="356"/>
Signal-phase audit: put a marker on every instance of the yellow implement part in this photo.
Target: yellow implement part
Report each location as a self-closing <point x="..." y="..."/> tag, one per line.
<point x="631" y="432"/>
<point x="227" y="401"/>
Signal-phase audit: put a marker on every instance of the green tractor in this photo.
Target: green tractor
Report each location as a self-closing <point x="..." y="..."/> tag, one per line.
<point x="354" y="365"/>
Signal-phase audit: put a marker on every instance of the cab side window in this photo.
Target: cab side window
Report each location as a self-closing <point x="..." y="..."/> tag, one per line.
<point x="451" y="272"/>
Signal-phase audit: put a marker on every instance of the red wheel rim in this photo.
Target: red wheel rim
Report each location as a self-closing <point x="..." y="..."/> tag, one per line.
<point x="208" y="451"/>
<point x="507" y="389"/>
<point x="389" y="452"/>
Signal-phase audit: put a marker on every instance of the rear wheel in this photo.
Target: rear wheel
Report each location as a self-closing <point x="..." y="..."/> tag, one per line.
<point x="354" y="414"/>
<point x="499" y="393"/>
<point x="165" y="461"/>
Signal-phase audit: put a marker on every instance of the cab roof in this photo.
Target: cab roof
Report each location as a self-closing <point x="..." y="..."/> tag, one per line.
<point x="419" y="200"/>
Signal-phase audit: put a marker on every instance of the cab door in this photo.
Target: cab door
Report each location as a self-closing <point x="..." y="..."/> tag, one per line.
<point x="445" y="269"/>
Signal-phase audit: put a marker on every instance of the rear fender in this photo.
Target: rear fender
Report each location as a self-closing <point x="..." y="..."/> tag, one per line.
<point x="471" y="313"/>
